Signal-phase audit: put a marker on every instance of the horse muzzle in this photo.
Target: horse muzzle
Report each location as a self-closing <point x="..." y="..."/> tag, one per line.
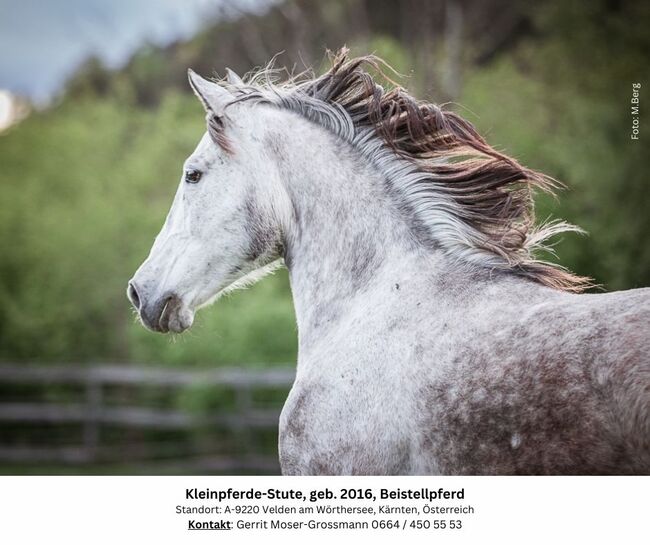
<point x="163" y="314"/>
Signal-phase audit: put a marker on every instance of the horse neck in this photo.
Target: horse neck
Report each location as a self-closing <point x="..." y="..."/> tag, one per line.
<point x="347" y="232"/>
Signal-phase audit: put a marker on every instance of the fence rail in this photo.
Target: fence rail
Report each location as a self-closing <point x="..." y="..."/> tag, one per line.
<point x="122" y="374"/>
<point x="91" y="411"/>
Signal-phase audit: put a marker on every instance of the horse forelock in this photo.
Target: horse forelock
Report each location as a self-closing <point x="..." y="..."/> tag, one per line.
<point x="476" y="201"/>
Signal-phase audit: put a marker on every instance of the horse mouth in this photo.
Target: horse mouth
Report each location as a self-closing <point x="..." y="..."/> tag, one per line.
<point x="169" y="315"/>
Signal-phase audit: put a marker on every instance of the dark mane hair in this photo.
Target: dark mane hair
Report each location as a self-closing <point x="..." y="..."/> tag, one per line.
<point x="489" y="193"/>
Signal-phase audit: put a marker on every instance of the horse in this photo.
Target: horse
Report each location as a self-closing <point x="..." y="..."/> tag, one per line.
<point x="432" y="339"/>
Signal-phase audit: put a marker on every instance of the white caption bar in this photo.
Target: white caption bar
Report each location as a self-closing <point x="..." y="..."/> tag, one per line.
<point x="82" y="510"/>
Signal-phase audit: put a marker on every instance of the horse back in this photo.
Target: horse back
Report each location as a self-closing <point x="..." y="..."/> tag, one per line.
<point x="556" y="384"/>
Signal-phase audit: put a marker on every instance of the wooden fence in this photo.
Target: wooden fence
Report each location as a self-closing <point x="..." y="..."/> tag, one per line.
<point x="89" y="410"/>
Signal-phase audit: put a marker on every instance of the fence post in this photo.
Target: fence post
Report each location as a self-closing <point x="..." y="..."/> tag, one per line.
<point x="91" y="430"/>
<point x="244" y="397"/>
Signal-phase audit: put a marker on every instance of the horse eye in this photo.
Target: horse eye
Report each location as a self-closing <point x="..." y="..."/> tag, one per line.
<point x="193" y="176"/>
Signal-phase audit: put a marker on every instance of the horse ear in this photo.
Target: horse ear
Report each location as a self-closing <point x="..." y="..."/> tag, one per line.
<point x="213" y="97"/>
<point x="233" y="78"/>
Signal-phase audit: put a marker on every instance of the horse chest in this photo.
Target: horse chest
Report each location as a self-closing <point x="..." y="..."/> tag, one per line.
<point x="326" y="429"/>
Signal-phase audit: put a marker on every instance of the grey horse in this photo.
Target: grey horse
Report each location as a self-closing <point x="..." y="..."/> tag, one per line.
<point x="431" y="339"/>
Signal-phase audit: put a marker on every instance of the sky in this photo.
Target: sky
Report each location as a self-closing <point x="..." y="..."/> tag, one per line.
<point x="42" y="42"/>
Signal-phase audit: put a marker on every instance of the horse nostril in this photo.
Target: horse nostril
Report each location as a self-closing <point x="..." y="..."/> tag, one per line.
<point x="133" y="296"/>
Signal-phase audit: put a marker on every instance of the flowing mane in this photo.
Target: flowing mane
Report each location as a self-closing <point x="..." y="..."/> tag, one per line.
<point x="466" y="197"/>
